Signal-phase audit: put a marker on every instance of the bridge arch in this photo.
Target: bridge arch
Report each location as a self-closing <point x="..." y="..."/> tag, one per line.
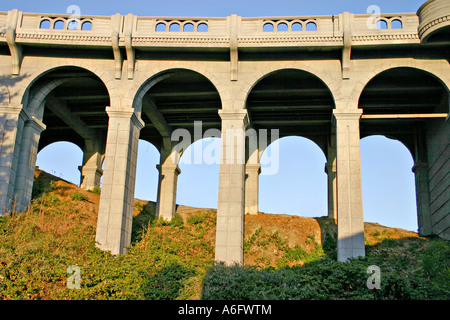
<point x="438" y="72"/>
<point x="410" y="102"/>
<point x="94" y="69"/>
<point x="308" y="139"/>
<point x="177" y="99"/>
<point x="65" y="103"/>
<point x="144" y="83"/>
<point x="294" y="102"/>
<point x="256" y="77"/>
<point x="179" y="106"/>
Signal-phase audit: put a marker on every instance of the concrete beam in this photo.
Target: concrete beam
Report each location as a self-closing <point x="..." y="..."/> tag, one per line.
<point x="404" y="116"/>
<point x="151" y="111"/>
<point x="60" y="109"/>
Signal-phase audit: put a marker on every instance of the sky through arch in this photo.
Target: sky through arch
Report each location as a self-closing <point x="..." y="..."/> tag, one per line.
<point x="62" y="160"/>
<point x="300" y="185"/>
<point x="198" y="182"/>
<point x="388" y="183"/>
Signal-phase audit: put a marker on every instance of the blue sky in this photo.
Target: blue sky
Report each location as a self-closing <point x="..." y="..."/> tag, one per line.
<point x="300" y="185"/>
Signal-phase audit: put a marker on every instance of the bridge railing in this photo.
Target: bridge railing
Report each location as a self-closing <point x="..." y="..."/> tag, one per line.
<point x="156" y="31"/>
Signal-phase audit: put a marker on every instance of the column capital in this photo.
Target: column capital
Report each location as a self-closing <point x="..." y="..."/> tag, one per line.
<point x="11" y="109"/>
<point x="234" y="115"/>
<point x="347" y="114"/>
<point x="116" y="112"/>
<point x="168" y="168"/>
<point x="251" y="167"/>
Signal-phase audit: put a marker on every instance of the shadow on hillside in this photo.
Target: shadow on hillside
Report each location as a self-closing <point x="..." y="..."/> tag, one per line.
<point x="143" y="215"/>
<point x="166" y="284"/>
<point x="44" y="183"/>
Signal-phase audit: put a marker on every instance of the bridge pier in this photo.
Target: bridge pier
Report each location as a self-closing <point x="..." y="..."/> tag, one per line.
<point x="11" y="127"/>
<point x="167" y="184"/>
<point x="91" y="170"/>
<point x="117" y="198"/>
<point x="350" y="223"/>
<point x="330" y="169"/>
<point x="26" y="166"/>
<point x="231" y="203"/>
<point x="252" y="172"/>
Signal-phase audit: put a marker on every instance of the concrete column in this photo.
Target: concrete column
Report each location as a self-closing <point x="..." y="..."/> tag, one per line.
<point x="27" y="162"/>
<point x="252" y="172"/>
<point x="91" y="170"/>
<point x="331" y="169"/>
<point x="349" y="186"/>
<point x="420" y="170"/>
<point x="11" y="126"/>
<point x="167" y="185"/>
<point x="231" y="204"/>
<point x="117" y="198"/>
<point x="423" y="199"/>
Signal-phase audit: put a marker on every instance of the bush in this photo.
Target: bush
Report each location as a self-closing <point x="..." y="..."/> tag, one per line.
<point x="96" y="190"/>
<point x="167" y="283"/>
<point x="402" y="277"/>
<point x="197" y="218"/>
<point x="78" y="196"/>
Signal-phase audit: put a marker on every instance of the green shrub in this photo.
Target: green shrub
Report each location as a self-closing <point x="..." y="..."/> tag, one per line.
<point x="402" y="277"/>
<point x="436" y="266"/>
<point x="96" y="190"/>
<point x="78" y="196"/>
<point x="197" y="218"/>
<point x="167" y="283"/>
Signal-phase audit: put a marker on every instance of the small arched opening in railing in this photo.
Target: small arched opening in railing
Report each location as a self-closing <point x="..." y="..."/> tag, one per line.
<point x="161" y="27"/>
<point x="311" y="26"/>
<point x="72" y="25"/>
<point x="297" y="26"/>
<point x="59" y="25"/>
<point x="268" y="27"/>
<point x="396" y="24"/>
<point x="86" y="26"/>
<point x="282" y="27"/>
<point x="45" y="24"/>
<point x="202" y="27"/>
<point x="174" y="27"/>
<point x="382" y="24"/>
<point x="188" y="27"/>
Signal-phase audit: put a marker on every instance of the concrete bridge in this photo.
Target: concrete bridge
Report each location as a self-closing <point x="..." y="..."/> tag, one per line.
<point x="104" y="82"/>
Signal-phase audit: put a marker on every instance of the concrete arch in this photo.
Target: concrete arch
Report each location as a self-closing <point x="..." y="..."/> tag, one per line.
<point x="34" y="104"/>
<point x="56" y="139"/>
<point x="256" y="77"/>
<point x="390" y="137"/>
<point x="437" y="72"/>
<point x="97" y="71"/>
<point x="144" y="83"/>
<point x="192" y="148"/>
<point x="295" y="136"/>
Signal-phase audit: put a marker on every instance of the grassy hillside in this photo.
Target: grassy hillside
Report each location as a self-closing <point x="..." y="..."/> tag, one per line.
<point x="286" y="257"/>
